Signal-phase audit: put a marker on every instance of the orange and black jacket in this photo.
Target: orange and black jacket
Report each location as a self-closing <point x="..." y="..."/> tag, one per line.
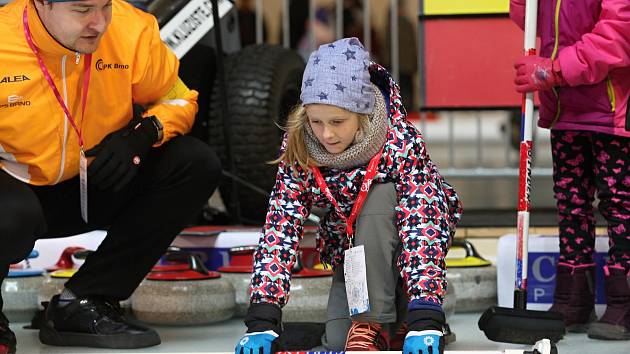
<point x="132" y="65"/>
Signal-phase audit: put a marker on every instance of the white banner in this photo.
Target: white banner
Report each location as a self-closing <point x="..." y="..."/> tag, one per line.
<point x="190" y="24"/>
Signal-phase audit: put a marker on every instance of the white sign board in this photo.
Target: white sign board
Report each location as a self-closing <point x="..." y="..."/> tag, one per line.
<point x="543" y="253"/>
<point x="190" y="24"/>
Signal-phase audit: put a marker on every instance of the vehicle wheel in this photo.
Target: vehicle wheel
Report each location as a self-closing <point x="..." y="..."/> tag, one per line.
<point x="263" y="85"/>
<point x="197" y="70"/>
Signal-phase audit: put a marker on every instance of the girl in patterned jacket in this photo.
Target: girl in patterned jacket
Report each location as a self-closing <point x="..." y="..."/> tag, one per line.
<point x="583" y="80"/>
<point x="349" y="134"/>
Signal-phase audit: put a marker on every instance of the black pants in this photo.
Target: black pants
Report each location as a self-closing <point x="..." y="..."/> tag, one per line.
<point x="586" y="164"/>
<point x="141" y="221"/>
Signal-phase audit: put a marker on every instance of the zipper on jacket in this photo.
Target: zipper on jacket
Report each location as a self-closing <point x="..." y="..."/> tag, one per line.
<point x="77" y="57"/>
<point x="556" y="29"/>
<point x="65" y="121"/>
<point x="611" y="94"/>
<point x="556" y="20"/>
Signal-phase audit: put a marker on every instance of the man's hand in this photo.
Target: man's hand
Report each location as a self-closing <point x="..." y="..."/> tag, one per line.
<point x="423" y="342"/>
<point x="121" y="153"/>
<point x="257" y="343"/>
<point x="534" y="73"/>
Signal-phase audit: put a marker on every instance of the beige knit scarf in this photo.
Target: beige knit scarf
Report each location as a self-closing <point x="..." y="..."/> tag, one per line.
<point x="362" y="149"/>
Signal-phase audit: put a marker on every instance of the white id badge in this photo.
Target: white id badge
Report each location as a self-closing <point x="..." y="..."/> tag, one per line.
<point x="83" y="183"/>
<point x="356" y="280"/>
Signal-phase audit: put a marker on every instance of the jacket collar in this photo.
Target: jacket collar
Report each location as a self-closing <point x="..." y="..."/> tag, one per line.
<point x="46" y="44"/>
<point x="383" y="79"/>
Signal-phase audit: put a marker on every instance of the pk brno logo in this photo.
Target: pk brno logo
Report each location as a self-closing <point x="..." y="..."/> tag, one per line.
<point x="100" y="65"/>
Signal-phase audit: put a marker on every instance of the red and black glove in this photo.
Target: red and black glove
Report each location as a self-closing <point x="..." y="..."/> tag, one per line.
<point x="120" y="154"/>
<point x="534" y="73"/>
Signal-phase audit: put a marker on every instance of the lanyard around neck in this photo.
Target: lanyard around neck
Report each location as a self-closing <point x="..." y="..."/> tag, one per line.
<point x="358" y="204"/>
<point x="86" y="78"/>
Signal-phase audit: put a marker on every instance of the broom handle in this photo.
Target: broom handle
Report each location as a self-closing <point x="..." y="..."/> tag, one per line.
<point x="527" y="114"/>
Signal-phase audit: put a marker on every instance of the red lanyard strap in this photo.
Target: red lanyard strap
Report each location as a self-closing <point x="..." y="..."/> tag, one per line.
<point x="86" y="77"/>
<point x="358" y="204"/>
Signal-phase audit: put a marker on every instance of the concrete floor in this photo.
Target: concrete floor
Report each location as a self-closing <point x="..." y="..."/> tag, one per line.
<point x="223" y="336"/>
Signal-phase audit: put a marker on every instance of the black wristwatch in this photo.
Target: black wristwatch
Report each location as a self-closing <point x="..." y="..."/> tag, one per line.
<point x="158" y="126"/>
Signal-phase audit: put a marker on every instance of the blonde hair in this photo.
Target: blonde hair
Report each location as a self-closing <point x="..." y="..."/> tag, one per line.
<point x="295" y="150"/>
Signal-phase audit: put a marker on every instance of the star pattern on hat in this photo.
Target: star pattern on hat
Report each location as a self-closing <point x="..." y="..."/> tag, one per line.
<point x="337" y="81"/>
<point x="355" y="42"/>
<point x="349" y="54"/>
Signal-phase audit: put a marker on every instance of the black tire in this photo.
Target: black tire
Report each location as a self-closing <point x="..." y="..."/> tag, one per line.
<point x="197" y="70"/>
<point x="263" y="85"/>
<point x="165" y="10"/>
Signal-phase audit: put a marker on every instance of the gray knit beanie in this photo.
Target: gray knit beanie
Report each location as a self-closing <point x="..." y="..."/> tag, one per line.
<point x="337" y="74"/>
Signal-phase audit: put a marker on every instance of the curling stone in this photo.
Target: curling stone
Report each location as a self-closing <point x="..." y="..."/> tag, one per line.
<point x="450" y="300"/>
<point x="309" y="287"/>
<point x="59" y="273"/>
<point x="20" y="289"/>
<point x="65" y="259"/>
<point x="239" y="273"/>
<point x="190" y="296"/>
<point x="174" y="259"/>
<point x="474" y="278"/>
<point x="309" y="295"/>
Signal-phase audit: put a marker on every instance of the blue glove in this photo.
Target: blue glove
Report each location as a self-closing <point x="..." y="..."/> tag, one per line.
<point x="424" y="342"/>
<point x="252" y="343"/>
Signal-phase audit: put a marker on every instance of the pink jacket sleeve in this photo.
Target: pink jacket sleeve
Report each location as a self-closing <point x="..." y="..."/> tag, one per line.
<point x="517" y="12"/>
<point x="605" y="48"/>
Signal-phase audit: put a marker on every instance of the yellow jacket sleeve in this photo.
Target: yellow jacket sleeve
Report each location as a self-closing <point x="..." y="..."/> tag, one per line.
<point x="156" y="85"/>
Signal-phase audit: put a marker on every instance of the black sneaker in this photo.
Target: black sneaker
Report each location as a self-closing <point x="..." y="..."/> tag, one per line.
<point x="93" y="322"/>
<point x="7" y="338"/>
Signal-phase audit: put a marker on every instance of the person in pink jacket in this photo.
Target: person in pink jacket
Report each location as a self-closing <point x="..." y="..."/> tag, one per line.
<point x="582" y="77"/>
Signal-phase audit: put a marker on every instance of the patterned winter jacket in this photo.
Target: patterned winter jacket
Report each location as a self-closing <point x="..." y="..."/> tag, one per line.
<point x="427" y="212"/>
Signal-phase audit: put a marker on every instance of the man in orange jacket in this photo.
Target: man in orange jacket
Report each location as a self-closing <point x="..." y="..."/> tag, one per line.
<point x="92" y="117"/>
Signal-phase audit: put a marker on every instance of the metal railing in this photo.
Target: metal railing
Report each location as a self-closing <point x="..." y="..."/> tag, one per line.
<point x="449" y="162"/>
<point x="367" y="34"/>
